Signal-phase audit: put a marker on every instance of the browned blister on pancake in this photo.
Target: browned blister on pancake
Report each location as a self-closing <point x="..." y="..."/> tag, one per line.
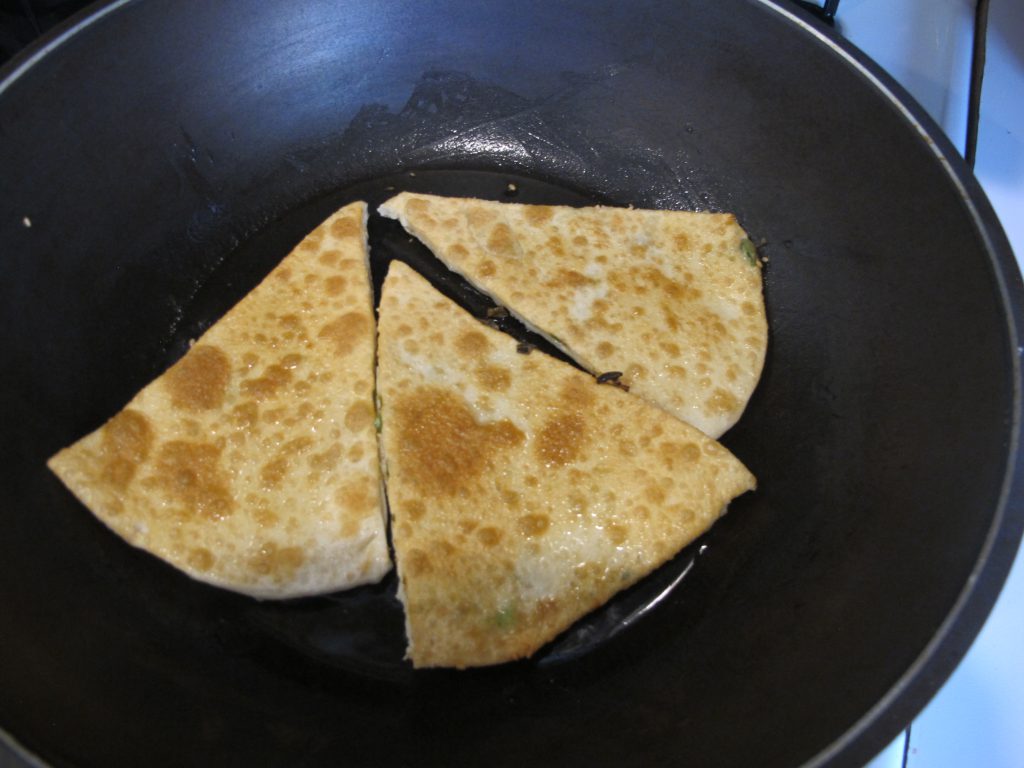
<point x="252" y="462"/>
<point x="672" y="299"/>
<point x="523" y="494"/>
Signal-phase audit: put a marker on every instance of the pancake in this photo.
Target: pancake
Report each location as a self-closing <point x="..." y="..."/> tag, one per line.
<point x="252" y="463"/>
<point x="523" y="494"/>
<point x="671" y="299"/>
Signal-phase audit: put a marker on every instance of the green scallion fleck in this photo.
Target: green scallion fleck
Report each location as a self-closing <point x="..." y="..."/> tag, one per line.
<point x="506" y="618"/>
<point x="749" y="251"/>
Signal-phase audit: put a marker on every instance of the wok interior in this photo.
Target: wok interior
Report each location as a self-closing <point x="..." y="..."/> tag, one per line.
<point x="879" y="431"/>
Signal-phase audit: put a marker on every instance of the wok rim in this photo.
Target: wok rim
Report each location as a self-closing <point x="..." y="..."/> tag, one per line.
<point x="951" y="641"/>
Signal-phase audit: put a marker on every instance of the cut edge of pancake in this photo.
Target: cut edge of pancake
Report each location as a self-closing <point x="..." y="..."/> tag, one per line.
<point x="390" y="212"/>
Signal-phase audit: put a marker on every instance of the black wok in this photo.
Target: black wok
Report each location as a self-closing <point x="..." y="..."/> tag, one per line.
<point x="157" y="158"/>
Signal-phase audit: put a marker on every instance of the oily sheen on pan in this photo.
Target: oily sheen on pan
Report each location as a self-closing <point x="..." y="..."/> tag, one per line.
<point x="252" y="462"/>
<point x="672" y="299"/>
<point x="523" y="494"/>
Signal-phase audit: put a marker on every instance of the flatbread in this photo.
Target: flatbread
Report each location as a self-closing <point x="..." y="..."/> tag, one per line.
<point x="523" y="494"/>
<point x="672" y="299"/>
<point x="252" y="463"/>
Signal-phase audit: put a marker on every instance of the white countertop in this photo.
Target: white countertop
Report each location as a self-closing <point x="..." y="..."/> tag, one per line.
<point x="977" y="718"/>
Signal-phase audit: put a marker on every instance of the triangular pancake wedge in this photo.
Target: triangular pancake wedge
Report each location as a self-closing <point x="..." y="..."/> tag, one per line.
<point x="523" y="494"/>
<point x="671" y="299"/>
<point x="252" y="463"/>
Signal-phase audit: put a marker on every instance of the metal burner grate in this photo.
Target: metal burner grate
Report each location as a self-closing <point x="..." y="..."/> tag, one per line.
<point x="823" y="9"/>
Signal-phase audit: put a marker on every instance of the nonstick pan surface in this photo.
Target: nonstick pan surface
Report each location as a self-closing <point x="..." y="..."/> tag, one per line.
<point x="157" y="159"/>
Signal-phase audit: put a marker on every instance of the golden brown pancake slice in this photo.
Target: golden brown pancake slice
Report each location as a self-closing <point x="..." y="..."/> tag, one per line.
<point x="252" y="463"/>
<point x="522" y="493"/>
<point x="672" y="299"/>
